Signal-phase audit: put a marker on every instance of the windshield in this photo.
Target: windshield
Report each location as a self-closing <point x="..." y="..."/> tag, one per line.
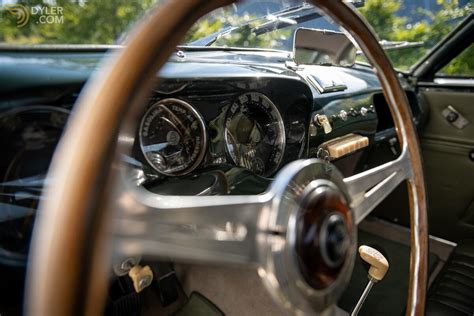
<point x="408" y="28"/>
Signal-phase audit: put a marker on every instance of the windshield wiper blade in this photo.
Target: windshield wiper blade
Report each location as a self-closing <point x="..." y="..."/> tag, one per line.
<point x="282" y="23"/>
<point x="271" y="20"/>
<point x="389" y="45"/>
<point x="395" y="45"/>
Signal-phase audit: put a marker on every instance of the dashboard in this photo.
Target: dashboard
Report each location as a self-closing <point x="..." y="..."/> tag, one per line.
<point x="216" y="123"/>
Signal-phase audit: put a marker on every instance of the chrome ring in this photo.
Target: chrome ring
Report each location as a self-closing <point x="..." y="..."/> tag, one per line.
<point x="202" y="126"/>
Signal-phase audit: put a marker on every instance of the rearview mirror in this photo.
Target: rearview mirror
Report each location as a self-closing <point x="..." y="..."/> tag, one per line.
<point x="323" y="47"/>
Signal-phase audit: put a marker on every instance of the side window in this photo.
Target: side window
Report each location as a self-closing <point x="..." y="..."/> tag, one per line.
<point x="460" y="66"/>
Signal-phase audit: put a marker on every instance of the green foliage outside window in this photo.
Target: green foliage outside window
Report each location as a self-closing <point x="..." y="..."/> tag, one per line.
<point x="106" y="22"/>
<point x="84" y="22"/>
<point x="461" y="66"/>
<point x="381" y="14"/>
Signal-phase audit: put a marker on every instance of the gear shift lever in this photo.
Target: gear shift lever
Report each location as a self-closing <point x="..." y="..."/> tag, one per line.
<point x="378" y="269"/>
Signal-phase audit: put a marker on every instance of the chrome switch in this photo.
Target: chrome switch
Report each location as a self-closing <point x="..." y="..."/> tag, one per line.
<point x="323" y="121"/>
<point x="343" y="115"/>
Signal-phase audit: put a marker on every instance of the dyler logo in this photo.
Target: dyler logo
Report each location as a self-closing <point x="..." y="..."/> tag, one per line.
<point x="38" y="14"/>
<point x="21" y="12"/>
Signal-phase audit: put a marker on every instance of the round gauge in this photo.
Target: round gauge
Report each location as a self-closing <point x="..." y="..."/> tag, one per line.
<point x="255" y="134"/>
<point x="29" y="138"/>
<point x="173" y="137"/>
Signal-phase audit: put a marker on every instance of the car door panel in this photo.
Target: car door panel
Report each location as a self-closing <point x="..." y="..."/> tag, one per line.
<point x="449" y="170"/>
<point x="438" y="128"/>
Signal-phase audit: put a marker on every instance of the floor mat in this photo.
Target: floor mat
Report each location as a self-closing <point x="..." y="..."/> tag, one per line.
<point x="389" y="296"/>
<point x="198" y="305"/>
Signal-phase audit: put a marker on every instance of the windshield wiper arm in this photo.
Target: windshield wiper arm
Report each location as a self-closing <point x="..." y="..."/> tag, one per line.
<point x="282" y="23"/>
<point x="272" y="21"/>
<point x="220" y="35"/>
<point x="284" y="17"/>
<point x="389" y="45"/>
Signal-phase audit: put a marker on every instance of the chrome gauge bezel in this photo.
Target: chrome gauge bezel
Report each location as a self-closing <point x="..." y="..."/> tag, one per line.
<point x="281" y="133"/>
<point x="202" y="126"/>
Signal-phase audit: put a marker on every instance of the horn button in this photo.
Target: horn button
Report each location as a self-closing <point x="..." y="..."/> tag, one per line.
<point x="309" y="253"/>
<point x="322" y="236"/>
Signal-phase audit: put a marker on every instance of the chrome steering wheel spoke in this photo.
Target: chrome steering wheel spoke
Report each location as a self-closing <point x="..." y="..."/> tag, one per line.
<point x="369" y="188"/>
<point x="301" y="224"/>
<point x="221" y="229"/>
<point x="269" y="231"/>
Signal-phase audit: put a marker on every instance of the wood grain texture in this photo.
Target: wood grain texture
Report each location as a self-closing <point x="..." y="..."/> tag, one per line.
<point x="352" y="21"/>
<point x="344" y="145"/>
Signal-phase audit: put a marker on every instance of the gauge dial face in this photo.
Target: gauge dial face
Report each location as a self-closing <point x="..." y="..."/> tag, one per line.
<point x="29" y="138"/>
<point x="173" y="137"/>
<point x="254" y="134"/>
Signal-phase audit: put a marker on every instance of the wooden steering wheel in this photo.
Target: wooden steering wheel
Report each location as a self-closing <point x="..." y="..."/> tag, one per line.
<point x="89" y="210"/>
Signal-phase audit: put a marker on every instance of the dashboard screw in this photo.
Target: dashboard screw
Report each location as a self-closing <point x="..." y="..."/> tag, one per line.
<point x="180" y="54"/>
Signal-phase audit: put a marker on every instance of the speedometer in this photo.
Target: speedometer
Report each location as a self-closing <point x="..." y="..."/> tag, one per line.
<point x="254" y="133"/>
<point x="173" y="137"/>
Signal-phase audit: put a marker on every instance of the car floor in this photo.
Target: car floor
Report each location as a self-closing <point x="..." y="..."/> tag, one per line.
<point x="240" y="292"/>
<point x="389" y="296"/>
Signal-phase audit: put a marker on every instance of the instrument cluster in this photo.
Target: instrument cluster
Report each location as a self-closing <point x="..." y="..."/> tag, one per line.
<point x="174" y="136"/>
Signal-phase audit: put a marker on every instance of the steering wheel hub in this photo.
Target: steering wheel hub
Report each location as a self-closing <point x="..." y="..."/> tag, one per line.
<point x="314" y="260"/>
<point x="322" y="235"/>
<point x="335" y="240"/>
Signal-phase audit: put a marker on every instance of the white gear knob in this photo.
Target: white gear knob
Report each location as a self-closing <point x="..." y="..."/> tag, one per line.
<point x="378" y="269"/>
<point x="378" y="264"/>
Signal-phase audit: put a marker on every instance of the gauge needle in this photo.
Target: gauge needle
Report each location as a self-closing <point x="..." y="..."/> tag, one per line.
<point x="155" y="147"/>
<point x="234" y="141"/>
<point x="255" y="135"/>
<point x="175" y="119"/>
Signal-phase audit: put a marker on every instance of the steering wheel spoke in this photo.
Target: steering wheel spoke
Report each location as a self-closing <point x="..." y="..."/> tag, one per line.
<point x="219" y="229"/>
<point x="369" y="188"/>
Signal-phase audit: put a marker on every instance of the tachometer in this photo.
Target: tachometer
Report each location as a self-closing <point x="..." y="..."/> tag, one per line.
<point x="254" y="133"/>
<point x="173" y="137"/>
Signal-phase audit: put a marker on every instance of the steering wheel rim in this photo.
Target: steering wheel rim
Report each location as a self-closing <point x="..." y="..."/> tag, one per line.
<point x="67" y="272"/>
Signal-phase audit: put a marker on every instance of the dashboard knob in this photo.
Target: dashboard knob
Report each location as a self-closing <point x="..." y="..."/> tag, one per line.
<point x="353" y="112"/>
<point x="343" y="115"/>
